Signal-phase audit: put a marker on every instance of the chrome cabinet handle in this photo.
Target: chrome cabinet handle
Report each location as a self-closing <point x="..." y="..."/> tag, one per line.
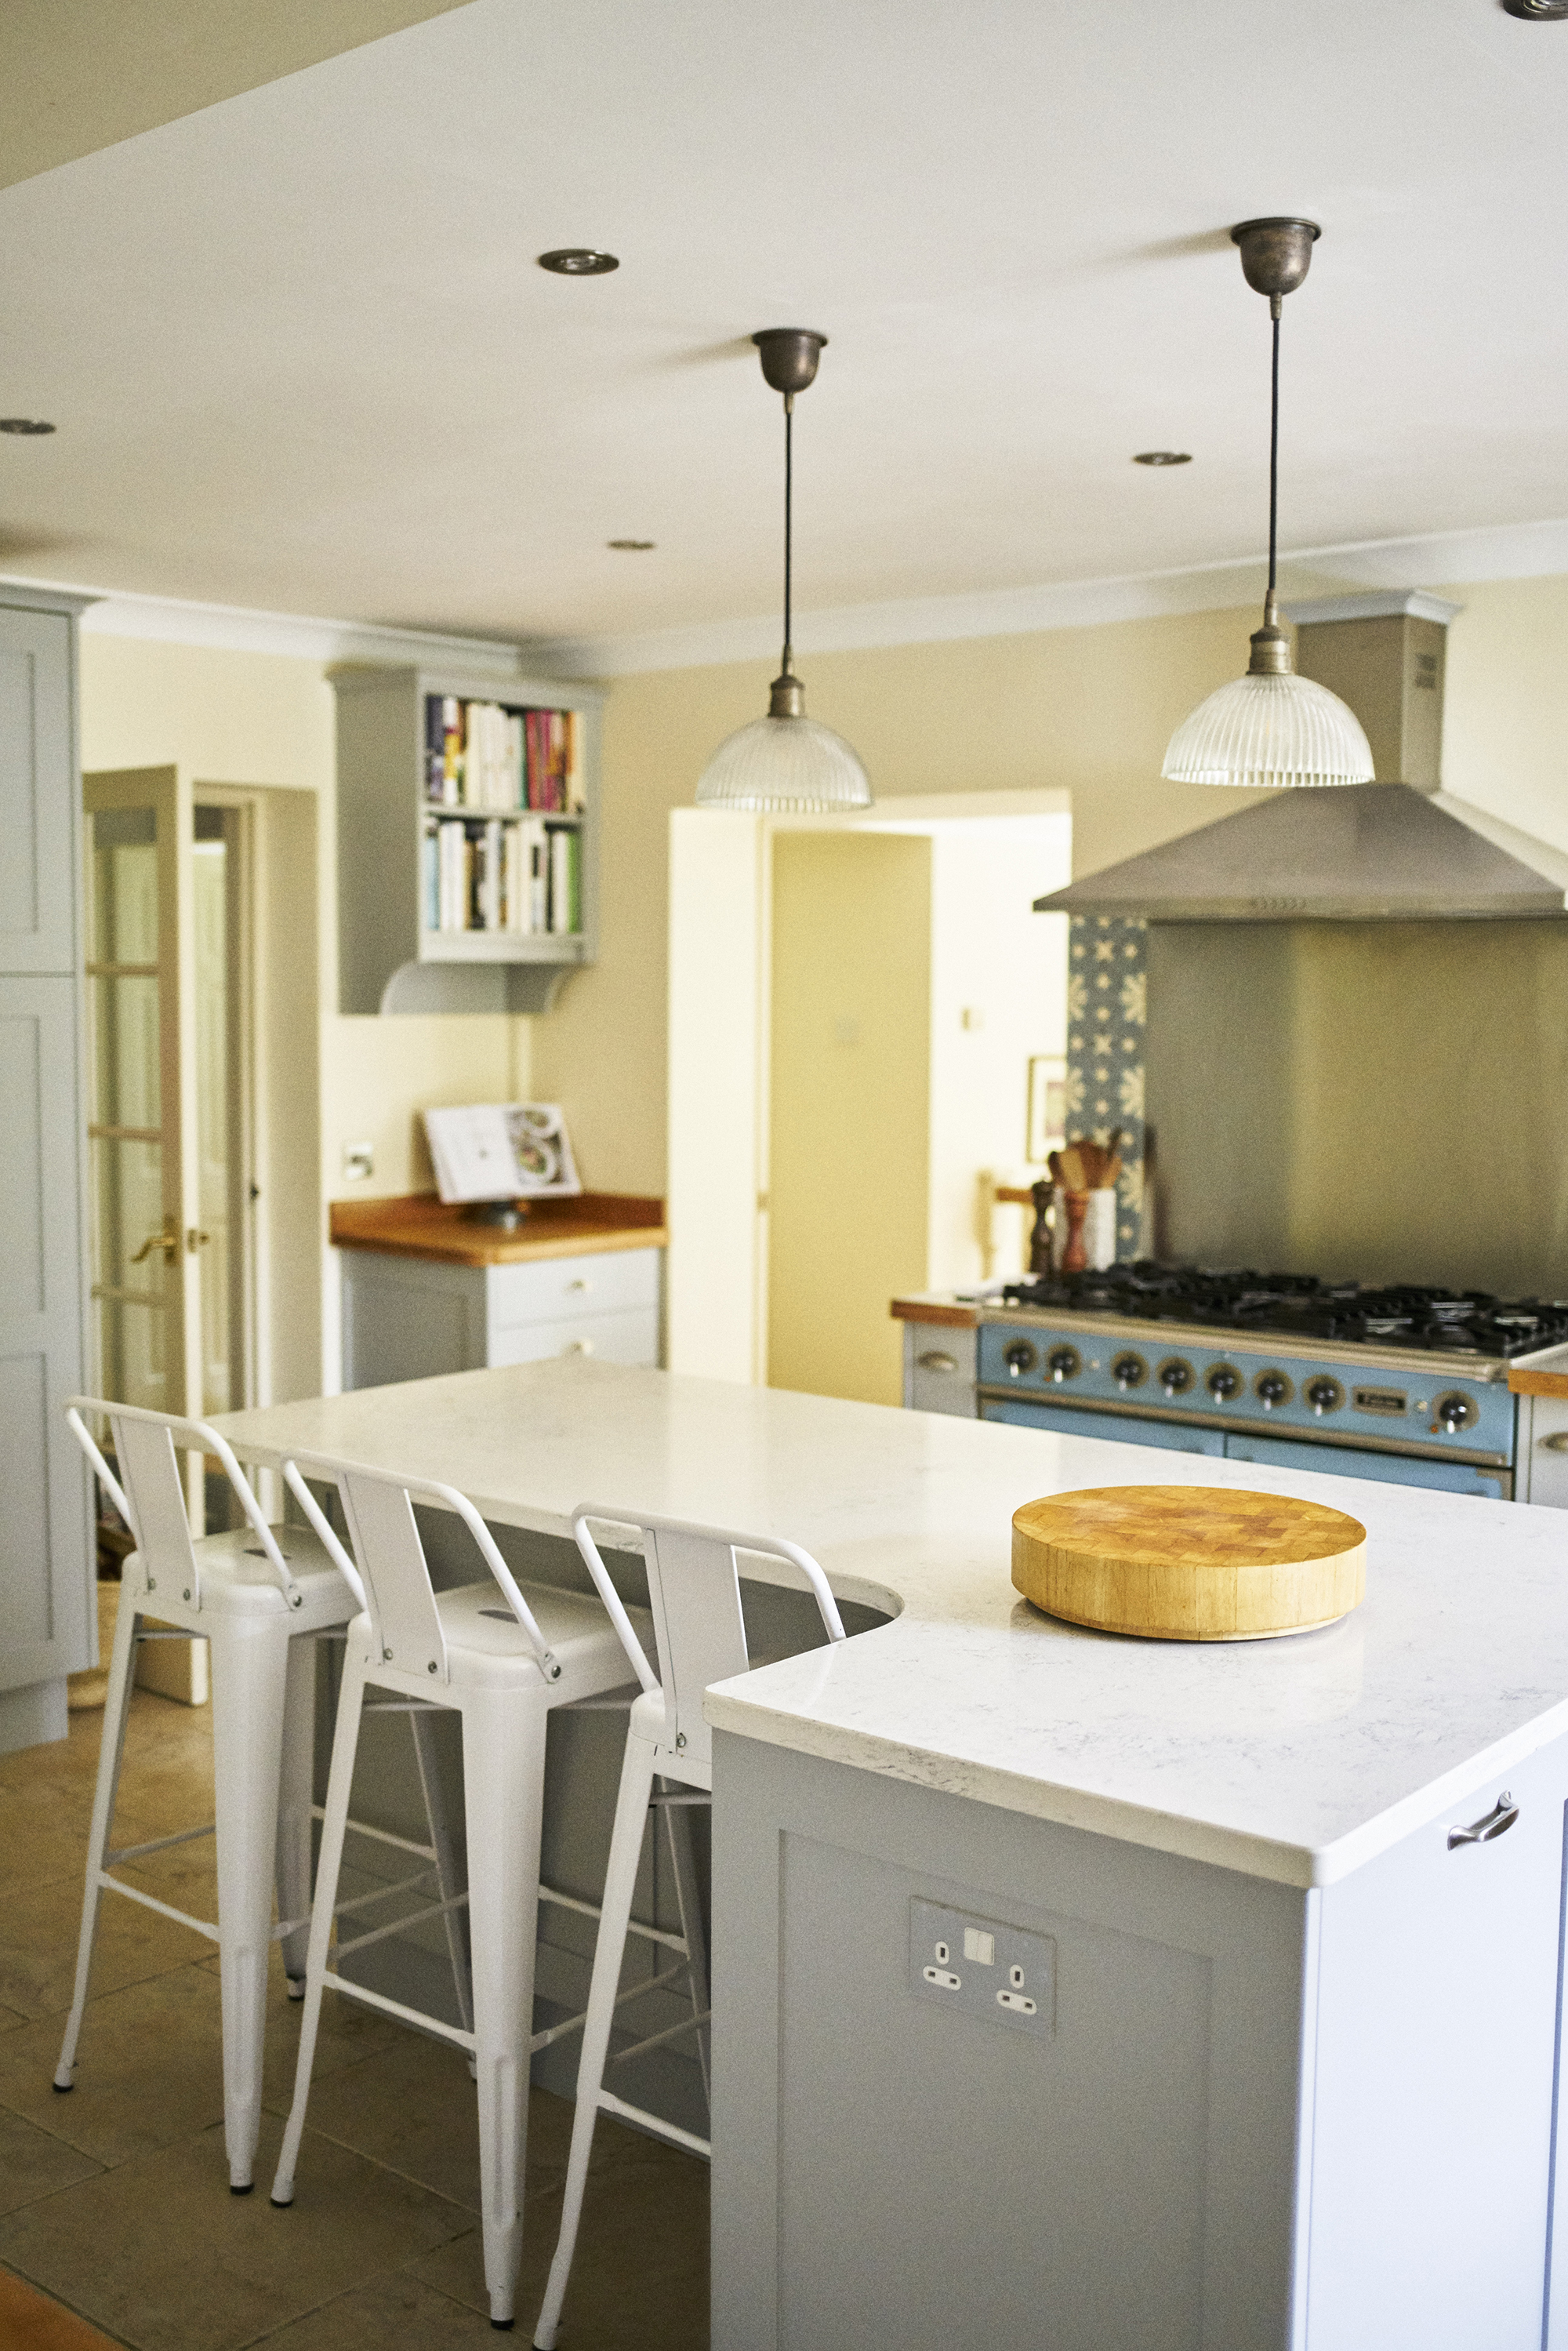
<point x="1558" y="1444"/>
<point x="935" y="1359"/>
<point x="1495" y="1824"/>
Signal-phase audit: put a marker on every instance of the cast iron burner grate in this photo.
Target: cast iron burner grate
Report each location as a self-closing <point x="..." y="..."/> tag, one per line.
<point x="1404" y="1314"/>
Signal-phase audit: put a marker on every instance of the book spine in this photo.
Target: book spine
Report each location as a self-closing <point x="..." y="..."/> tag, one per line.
<point x="576" y="785"/>
<point x="539" y="877"/>
<point x="559" y="880"/>
<point x="452" y="752"/>
<point x="574" y="882"/>
<point x="517" y="796"/>
<point x="430" y="878"/>
<point x="435" y="748"/>
<point x="514" y="902"/>
<point x="490" y="876"/>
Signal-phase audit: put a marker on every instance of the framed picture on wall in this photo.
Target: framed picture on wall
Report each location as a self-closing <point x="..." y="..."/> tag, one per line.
<point x="1047" y="1121"/>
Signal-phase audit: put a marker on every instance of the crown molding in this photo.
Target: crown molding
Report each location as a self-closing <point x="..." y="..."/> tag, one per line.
<point x="1398" y="566"/>
<point x="1380" y="605"/>
<point x="231" y="628"/>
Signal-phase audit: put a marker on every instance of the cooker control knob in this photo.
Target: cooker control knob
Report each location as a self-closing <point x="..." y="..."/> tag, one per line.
<point x="1176" y="1377"/>
<point x="1271" y="1389"/>
<point x="1222" y="1382"/>
<point x="1325" y="1394"/>
<point x="1020" y="1357"/>
<point x="1456" y="1412"/>
<point x="1129" y="1371"/>
<point x="1063" y="1363"/>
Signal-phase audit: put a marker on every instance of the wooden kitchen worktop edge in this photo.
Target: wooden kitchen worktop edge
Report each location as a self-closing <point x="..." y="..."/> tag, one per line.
<point x="1528" y="1383"/>
<point x="418" y="1225"/>
<point x="931" y="1310"/>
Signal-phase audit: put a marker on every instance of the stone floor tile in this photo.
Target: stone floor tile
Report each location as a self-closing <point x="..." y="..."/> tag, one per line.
<point x="396" y="2310"/>
<point x="33" y="2162"/>
<point x="159" y="2252"/>
<point x="148" y="2068"/>
<point x="39" y="1928"/>
<point x="640" y="2281"/>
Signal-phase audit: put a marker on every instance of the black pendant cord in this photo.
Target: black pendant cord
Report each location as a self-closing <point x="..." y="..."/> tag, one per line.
<point x="789" y="521"/>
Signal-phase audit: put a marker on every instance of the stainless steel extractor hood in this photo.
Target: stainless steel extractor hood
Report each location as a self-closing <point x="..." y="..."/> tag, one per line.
<point x="1400" y="850"/>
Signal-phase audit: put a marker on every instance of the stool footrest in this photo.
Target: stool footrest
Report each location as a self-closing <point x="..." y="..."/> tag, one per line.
<point x="453" y="2033"/>
<point x="150" y="1902"/>
<point x="655" y="2123"/>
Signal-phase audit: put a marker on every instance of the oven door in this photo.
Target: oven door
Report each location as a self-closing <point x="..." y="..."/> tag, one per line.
<point x="1116" y="1428"/>
<point x="1389" y="1469"/>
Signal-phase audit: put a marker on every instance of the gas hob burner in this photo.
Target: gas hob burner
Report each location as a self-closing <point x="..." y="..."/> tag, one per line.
<point x="1299" y="1306"/>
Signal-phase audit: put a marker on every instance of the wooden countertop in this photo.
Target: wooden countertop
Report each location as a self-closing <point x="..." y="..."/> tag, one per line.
<point x="1528" y="1383"/>
<point x="419" y="1225"/>
<point x="933" y="1310"/>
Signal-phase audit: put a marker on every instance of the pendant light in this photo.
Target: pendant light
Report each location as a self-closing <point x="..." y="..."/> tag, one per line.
<point x="1272" y="727"/>
<point x="786" y="761"/>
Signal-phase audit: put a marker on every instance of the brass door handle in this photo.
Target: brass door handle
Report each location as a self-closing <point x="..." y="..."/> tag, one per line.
<point x="168" y="1241"/>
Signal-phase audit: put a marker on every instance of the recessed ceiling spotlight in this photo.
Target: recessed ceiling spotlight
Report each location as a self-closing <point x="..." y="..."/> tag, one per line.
<point x="632" y="546"/>
<point x="1162" y="457"/>
<point x="578" y="261"/>
<point x="24" y="424"/>
<point x="1537" y="11"/>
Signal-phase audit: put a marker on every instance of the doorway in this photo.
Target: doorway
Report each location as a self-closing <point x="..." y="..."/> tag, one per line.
<point x="171" y="1122"/>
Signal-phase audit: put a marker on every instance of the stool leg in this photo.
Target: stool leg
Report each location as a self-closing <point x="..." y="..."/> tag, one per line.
<point x="448" y="1876"/>
<point x="503" y="1771"/>
<point x="295" y="1790"/>
<point x="111" y="1747"/>
<point x="250" y="1665"/>
<point x="339" y="1787"/>
<point x="678" y="1823"/>
<point x="620" y="1885"/>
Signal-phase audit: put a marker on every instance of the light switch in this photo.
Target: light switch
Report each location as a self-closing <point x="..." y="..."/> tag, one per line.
<point x="979" y="1947"/>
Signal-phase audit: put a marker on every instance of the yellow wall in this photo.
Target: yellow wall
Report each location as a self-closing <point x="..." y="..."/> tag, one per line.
<point x="1505" y="722"/>
<point x="850" y="1084"/>
<point x="1090" y="709"/>
<point x="268" y="719"/>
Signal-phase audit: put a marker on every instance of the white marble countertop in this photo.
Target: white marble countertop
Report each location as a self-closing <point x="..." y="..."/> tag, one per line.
<point x="1295" y="1759"/>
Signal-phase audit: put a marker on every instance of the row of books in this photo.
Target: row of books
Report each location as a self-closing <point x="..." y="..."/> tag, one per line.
<point x="484" y="756"/>
<point x="525" y="876"/>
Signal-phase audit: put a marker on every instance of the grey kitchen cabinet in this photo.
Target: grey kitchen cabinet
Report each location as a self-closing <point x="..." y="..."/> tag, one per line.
<point x="1250" y="2116"/>
<point x="1543" y="1451"/>
<point x="47" y="1624"/>
<point x="939" y="1370"/>
<point x="390" y="958"/>
<point x="406" y="1318"/>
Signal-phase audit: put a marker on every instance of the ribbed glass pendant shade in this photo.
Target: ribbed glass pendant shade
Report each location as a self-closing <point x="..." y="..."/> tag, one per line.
<point x="784" y="763"/>
<point x="1278" y="729"/>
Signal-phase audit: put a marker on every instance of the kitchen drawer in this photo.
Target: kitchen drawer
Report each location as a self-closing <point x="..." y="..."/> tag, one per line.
<point x="1543" y="1451"/>
<point x="939" y="1369"/>
<point x="1114" y="1428"/>
<point x="1389" y="1469"/>
<point x="630" y="1337"/>
<point x="548" y="1289"/>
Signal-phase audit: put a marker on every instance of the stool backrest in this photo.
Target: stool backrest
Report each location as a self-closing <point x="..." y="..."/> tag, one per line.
<point x="693" y="1589"/>
<point x="151" y="1499"/>
<point x="393" y="1574"/>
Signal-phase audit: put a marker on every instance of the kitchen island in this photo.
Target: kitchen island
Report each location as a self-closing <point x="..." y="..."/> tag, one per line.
<point x="1289" y="2076"/>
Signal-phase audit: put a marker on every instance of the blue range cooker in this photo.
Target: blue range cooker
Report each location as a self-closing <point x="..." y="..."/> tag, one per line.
<point x="1405" y="1384"/>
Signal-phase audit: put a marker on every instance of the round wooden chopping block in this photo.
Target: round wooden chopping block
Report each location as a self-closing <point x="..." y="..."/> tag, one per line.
<point x="1188" y="1562"/>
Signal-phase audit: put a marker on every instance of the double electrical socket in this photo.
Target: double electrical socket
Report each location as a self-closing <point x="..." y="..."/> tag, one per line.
<point x="984" y="1966"/>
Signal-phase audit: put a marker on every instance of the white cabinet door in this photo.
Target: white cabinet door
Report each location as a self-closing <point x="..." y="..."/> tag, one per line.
<point x="1544" y="1433"/>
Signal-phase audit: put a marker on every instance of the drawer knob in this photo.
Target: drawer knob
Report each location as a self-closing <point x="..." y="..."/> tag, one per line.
<point x="937" y="1359"/>
<point x="1558" y="1444"/>
<point x="578" y="1347"/>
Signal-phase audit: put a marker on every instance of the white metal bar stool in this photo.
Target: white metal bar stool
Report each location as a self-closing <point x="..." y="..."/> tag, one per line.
<point x="257" y="1595"/>
<point x="693" y="1584"/>
<point x="505" y="1657"/>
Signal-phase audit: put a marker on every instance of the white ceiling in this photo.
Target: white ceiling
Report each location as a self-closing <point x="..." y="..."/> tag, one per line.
<point x="300" y="359"/>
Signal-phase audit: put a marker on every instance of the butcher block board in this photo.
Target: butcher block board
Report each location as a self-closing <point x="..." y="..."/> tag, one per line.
<point x="1188" y="1562"/>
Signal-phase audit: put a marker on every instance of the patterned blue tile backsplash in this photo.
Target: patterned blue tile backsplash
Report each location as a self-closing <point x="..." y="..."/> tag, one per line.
<point x="1107" y="993"/>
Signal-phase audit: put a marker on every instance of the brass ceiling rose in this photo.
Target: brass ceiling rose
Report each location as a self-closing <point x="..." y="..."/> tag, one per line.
<point x="578" y="261"/>
<point x="1537" y="12"/>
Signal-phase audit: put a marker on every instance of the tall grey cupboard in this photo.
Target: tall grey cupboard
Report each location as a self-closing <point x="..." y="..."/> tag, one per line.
<point x="46" y="1625"/>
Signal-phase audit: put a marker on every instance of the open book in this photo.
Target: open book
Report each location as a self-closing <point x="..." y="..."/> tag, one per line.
<point x="500" y="1150"/>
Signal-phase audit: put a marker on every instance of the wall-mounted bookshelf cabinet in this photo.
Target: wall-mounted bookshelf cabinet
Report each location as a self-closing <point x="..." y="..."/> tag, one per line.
<point x="467" y="852"/>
